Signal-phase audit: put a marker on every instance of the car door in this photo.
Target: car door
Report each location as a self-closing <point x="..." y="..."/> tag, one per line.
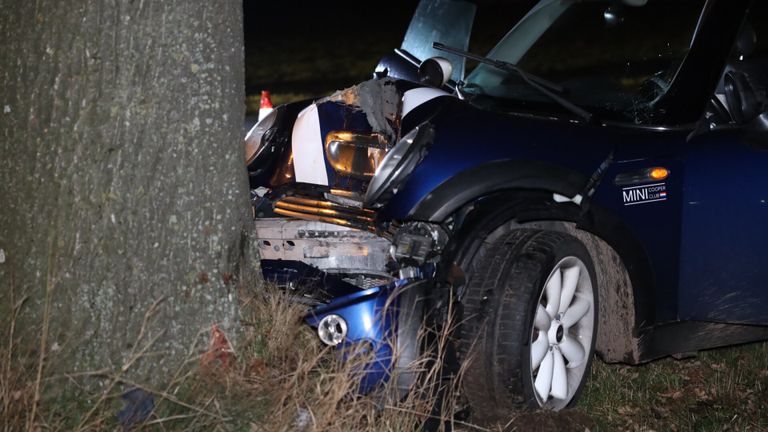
<point x="724" y="237"/>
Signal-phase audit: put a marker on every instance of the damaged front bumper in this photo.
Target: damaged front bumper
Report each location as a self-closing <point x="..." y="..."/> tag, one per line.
<point x="364" y="292"/>
<point x="371" y="325"/>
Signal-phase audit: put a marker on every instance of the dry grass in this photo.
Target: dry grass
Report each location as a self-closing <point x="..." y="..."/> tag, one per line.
<point x="314" y="387"/>
<point x="15" y="390"/>
<point x="284" y="379"/>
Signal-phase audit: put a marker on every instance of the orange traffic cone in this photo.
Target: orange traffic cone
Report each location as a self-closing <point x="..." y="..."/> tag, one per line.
<point x="266" y="105"/>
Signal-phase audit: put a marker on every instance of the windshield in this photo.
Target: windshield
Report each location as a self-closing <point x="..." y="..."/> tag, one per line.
<point x="615" y="58"/>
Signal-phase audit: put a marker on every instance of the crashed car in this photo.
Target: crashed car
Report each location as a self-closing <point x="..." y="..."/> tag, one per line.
<point x="598" y="183"/>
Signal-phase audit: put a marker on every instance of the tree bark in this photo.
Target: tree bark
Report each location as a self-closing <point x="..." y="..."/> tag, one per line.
<point x="122" y="179"/>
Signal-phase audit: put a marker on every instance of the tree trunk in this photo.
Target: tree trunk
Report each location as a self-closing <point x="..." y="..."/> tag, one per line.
<point x="122" y="180"/>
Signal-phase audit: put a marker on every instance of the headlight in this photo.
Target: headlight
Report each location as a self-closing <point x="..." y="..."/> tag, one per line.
<point x="399" y="162"/>
<point x="254" y="138"/>
<point x="355" y="154"/>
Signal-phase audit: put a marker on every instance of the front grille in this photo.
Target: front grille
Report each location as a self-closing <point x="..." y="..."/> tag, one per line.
<point x="368" y="281"/>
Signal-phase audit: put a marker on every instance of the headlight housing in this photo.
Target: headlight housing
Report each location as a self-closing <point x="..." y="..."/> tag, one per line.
<point x="355" y="154"/>
<point x="255" y="137"/>
<point x="398" y="164"/>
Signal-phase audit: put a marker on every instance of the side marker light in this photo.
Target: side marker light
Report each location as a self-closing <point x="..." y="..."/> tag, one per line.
<point x="658" y="173"/>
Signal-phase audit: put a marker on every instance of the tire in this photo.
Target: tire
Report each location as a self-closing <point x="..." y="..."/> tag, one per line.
<point x="509" y="318"/>
<point x="409" y="346"/>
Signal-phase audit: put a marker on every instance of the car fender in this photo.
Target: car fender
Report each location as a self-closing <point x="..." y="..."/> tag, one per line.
<point x="492" y="177"/>
<point x="477" y="151"/>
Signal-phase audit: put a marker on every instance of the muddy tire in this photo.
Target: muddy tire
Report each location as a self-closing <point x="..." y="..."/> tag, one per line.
<point x="529" y="323"/>
<point x="409" y="346"/>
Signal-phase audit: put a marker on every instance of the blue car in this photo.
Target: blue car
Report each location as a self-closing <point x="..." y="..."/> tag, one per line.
<point x="597" y="183"/>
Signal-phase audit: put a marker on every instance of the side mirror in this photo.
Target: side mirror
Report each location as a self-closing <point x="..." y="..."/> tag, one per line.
<point x="435" y="71"/>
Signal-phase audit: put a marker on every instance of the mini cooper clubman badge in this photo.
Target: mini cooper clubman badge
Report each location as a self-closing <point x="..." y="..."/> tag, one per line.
<point x="644" y="194"/>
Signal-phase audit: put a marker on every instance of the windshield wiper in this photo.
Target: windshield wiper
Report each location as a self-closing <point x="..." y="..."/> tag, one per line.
<point x="548" y="88"/>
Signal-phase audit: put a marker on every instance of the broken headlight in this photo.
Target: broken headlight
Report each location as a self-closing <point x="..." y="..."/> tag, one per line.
<point x="255" y="137"/>
<point x="398" y="163"/>
<point x="355" y="154"/>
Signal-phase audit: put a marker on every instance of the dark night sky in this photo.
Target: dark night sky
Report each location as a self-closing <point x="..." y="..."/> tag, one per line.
<point x="293" y="19"/>
<point x="316" y="46"/>
<point x="313" y="47"/>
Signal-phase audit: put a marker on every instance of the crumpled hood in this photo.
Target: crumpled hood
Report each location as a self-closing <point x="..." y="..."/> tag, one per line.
<point x="373" y="107"/>
<point x="379" y="99"/>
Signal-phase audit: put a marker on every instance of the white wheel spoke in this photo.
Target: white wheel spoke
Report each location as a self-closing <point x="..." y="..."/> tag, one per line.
<point x="559" y="376"/>
<point x="544" y="378"/>
<point x="553" y="290"/>
<point x="542" y="320"/>
<point x="570" y="281"/>
<point x="561" y="333"/>
<point x="538" y="350"/>
<point x="572" y="350"/>
<point x="573" y="314"/>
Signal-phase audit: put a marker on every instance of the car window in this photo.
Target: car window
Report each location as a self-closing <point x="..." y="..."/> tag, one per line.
<point x="613" y="58"/>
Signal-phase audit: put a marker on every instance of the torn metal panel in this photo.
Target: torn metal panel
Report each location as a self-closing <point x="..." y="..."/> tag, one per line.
<point x="328" y="247"/>
<point x="378" y="98"/>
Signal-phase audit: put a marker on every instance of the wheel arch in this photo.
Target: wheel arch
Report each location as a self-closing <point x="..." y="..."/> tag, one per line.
<point x="498" y="176"/>
<point x="623" y="270"/>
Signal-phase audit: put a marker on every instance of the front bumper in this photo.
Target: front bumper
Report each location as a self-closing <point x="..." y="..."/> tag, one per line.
<point x="377" y="332"/>
<point x="342" y="271"/>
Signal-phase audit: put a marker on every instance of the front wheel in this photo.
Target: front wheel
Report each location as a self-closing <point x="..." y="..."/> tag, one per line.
<point x="529" y="324"/>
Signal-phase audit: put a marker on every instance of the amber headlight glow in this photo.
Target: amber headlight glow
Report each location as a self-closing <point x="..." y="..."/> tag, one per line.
<point x="254" y="138"/>
<point x="355" y="154"/>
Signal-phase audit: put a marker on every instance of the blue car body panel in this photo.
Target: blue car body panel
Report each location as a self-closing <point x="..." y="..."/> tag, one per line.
<point x="371" y="316"/>
<point x="481" y="137"/>
<point x="724" y="256"/>
<point x="655" y="225"/>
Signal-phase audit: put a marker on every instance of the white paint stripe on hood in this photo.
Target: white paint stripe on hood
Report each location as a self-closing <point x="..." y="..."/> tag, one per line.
<point x="415" y="97"/>
<point x="307" y="145"/>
